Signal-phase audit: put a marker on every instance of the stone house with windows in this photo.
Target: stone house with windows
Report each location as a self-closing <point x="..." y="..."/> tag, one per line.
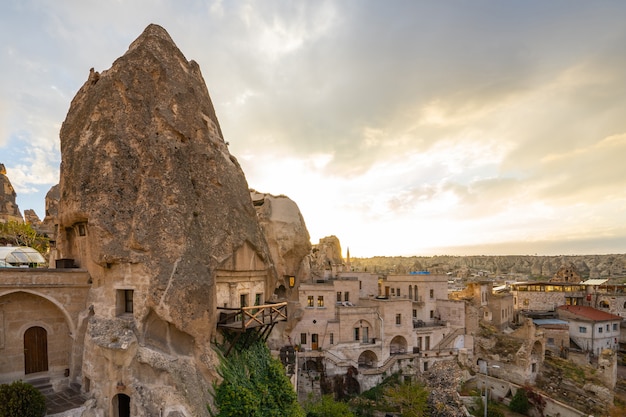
<point x="546" y="296"/>
<point x="494" y="308"/>
<point x="591" y="329"/>
<point x="371" y="323"/>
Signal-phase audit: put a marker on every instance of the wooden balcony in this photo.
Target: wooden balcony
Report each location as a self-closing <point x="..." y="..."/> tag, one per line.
<point x="253" y="323"/>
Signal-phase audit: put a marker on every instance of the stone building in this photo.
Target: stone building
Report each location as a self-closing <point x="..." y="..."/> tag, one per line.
<point x="591" y="329"/>
<point x="42" y="322"/>
<point x="368" y="325"/>
<point x="567" y="273"/>
<point x="494" y="308"/>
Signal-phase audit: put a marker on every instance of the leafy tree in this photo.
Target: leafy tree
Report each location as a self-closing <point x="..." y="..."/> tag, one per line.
<point x="254" y="385"/>
<point x="23" y="234"/>
<point x="327" y="407"/>
<point x="519" y="402"/>
<point x="410" y="398"/>
<point x="21" y="399"/>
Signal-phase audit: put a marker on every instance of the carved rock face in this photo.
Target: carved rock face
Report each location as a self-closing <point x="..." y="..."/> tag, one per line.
<point x="287" y="237"/>
<point x="9" y="211"/>
<point x="151" y="200"/>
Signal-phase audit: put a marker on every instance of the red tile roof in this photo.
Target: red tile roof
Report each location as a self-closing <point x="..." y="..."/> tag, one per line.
<point x="590" y="313"/>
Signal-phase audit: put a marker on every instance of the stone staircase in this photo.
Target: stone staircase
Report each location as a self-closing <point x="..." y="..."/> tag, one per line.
<point x="42" y="384"/>
<point x="449" y="339"/>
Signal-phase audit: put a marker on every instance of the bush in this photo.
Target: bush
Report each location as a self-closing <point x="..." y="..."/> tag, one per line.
<point x="519" y="402"/>
<point x="21" y="399"/>
<point x="254" y="385"/>
<point x="327" y="407"/>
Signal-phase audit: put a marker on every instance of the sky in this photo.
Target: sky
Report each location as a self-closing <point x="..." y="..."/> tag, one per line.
<point x="401" y="127"/>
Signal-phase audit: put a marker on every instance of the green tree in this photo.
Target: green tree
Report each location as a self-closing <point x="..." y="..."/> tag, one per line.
<point x="23" y="234"/>
<point x="254" y="385"/>
<point x="327" y="407"/>
<point x="21" y="399"/>
<point x="410" y="398"/>
<point x="519" y="402"/>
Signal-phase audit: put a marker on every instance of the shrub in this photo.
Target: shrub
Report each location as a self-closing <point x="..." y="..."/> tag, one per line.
<point x="519" y="402"/>
<point x="21" y="399"/>
<point x="254" y="385"/>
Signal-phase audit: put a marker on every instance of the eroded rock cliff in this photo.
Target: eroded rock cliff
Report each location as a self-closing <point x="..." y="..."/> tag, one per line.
<point x="153" y="205"/>
<point x="9" y="211"/>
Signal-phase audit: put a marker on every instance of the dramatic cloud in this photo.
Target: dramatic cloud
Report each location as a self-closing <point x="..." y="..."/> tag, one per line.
<point x="403" y="128"/>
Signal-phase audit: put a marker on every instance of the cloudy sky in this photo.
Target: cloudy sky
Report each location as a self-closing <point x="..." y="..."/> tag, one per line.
<point x="401" y="127"/>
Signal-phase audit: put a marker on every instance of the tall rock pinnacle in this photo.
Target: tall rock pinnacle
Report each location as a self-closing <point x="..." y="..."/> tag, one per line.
<point x="9" y="211"/>
<point x="151" y="201"/>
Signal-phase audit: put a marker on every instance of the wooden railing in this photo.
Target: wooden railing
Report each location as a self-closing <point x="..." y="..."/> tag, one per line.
<point x="254" y="316"/>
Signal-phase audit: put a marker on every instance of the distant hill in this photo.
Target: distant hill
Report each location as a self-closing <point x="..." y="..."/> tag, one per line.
<point x="505" y="267"/>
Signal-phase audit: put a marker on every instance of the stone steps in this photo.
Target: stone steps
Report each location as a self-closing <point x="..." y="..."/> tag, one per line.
<point x="42" y="384"/>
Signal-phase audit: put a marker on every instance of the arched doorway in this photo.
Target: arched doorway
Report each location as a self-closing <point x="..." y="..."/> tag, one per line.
<point x="121" y="405"/>
<point x="368" y="359"/>
<point x="35" y="350"/>
<point x="398" y="345"/>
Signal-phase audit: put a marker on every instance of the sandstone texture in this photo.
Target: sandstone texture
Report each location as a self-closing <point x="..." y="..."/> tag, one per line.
<point x="9" y="211"/>
<point x="52" y="210"/>
<point x="287" y="237"/>
<point x="326" y="254"/>
<point x="152" y="204"/>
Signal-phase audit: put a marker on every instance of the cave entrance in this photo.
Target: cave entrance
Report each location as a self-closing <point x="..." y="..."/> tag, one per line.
<point x="121" y="405"/>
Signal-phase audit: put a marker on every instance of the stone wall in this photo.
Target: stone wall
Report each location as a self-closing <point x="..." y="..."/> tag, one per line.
<point x="55" y="300"/>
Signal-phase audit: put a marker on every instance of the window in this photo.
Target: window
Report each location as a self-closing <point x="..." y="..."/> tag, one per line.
<point x="599" y="329"/>
<point x="608" y="329"/>
<point x="614" y="327"/>
<point x="81" y="229"/>
<point x="432" y="314"/>
<point x="356" y="334"/>
<point x="414" y="313"/>
<point x="398" y="292"/>
<point x="320" y="301"/>
<point x="338" y="296"/>
<point x="257" y="299"/>
<point x="124" y="302"/>
<point x="398" y="318"/>
<point x="582" y="329"/>
<point x="432" y="293"/>
<point x="346" y="296"/>
<point x="128" y="301"/>
<point x="425" y="366"/>
<point x="332" y="338"/>
<point x="310" y="301"/>
<point x="551" y="341"/>
<point x="303" y="338"/>
<point x="243" y="300"/>
<point x="393" y="291"/>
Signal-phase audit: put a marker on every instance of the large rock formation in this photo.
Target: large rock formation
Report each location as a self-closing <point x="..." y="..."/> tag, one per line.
<point x="155" y="207"/>
<point x="287" y="237"/>
<point x="9" y="211"/>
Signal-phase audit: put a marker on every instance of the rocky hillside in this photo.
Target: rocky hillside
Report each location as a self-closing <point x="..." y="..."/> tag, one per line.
<point x="588" y="266"/>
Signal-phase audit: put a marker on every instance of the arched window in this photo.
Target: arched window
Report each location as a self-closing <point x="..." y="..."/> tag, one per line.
<point x="410" y="292"/>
